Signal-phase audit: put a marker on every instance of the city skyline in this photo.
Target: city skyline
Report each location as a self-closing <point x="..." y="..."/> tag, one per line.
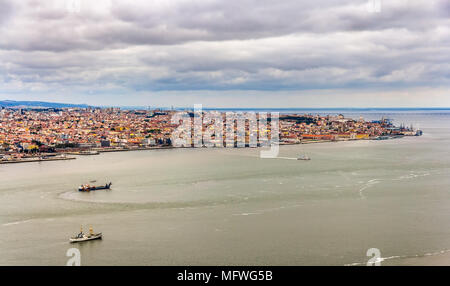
<point x="223" y="55"/>
<point x="32" y="104"/>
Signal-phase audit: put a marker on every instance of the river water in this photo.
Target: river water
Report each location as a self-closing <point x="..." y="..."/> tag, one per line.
<point x="230" y="207"/>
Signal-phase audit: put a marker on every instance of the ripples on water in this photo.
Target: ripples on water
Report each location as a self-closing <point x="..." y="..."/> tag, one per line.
<point x="228" y="206"/>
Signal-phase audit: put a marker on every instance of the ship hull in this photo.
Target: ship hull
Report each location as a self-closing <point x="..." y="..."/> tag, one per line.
<point x="94" y="188"/>
<point x="87" y="238"/>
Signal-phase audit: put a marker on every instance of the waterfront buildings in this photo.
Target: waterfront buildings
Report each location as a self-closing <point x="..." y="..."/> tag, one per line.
<point x="52" y="130"/>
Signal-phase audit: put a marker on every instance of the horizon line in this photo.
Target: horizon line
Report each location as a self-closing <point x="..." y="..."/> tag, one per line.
<point x="217" y="108"/>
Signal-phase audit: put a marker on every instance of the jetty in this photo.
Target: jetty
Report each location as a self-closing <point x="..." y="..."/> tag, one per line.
<point x="34" y="159"/>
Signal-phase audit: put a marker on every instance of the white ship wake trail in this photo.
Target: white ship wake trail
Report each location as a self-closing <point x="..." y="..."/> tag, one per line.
<point x="369" y="184"/>
<point x="15" y="222"/>
<point x="381" y="259"/>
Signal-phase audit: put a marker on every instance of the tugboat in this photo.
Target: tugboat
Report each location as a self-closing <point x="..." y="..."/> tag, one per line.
<point x="88" y="188"/>
<point x="85" y="237"/>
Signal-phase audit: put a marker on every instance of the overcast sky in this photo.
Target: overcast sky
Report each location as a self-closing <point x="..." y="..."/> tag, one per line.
<point x="243" y="53"/>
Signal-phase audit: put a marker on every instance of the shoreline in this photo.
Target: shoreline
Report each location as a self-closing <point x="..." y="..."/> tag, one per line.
<point x="97" y="151"/>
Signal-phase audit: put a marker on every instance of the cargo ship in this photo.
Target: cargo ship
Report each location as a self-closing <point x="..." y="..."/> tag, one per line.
<point x="88" y="188"/>
<point x="85" y="237"/>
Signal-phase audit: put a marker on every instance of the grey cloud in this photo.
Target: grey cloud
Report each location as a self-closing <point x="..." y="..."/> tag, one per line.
<point x="222" y="45"/>
<point x="175" y="22"/>
<point x="6" y="11"/>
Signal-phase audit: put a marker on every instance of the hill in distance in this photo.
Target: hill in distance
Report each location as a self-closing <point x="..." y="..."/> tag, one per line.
<point x="38" y="104"/>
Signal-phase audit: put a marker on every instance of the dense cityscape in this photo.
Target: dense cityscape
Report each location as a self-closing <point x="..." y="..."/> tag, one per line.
<point x="44" y="133"/>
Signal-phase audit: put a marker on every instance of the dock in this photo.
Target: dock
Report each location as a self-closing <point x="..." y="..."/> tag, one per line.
<point x="29" y="160"/>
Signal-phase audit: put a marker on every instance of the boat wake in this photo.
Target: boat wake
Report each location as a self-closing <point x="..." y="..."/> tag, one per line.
<point x="381" y="259"/>
<point x="246" y="214"/>
<point x="268" y="210"/>
<point x="372" y="182"/>
<point x="411" y="176"/>
<point x="15" y="222"/>
<point x="369" y="184"/>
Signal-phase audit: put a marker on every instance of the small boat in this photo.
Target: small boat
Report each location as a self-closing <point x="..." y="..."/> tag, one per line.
<point x="89" y="152"/>
<point x="85" y="237"/>
<point x="382" y="138"/>
<point x="88" y="188"/>
<point x="303" y="157"/>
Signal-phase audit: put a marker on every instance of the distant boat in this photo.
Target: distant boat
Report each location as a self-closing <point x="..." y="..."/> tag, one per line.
<point x="89" y="152"/>
<point x="80" y="237"/>
<point x="382" y="138"/>
<point x="303" y="157"/>
<point x="88" y="188"/>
